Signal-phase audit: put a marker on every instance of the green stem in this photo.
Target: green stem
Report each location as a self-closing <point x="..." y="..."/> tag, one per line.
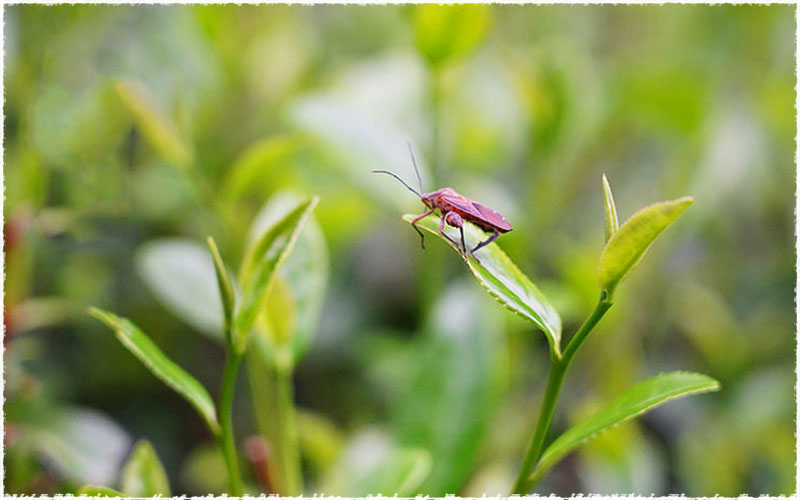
<point x="555" y="379"/>
<point x="228" y="444"/>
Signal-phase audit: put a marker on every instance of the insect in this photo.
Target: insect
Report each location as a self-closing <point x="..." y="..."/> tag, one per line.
<point x="455" y="209"/>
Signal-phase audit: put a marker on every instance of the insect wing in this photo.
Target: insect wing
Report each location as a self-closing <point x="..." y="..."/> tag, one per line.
<point x="478" y="211"/>
<point x="463" y="204"/>
<point x="493" y="217"/>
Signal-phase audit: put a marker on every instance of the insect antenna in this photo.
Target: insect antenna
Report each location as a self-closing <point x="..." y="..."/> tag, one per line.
<point x="414" y="161"/>
<point x="399" y="179"/>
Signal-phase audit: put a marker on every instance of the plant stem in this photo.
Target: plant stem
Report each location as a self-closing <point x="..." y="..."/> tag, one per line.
<point x="555" y="379"/>
<point x="232" y="362"/>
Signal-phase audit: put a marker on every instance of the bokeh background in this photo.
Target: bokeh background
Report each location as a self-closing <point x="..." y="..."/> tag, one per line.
<point x="133" y="132"/>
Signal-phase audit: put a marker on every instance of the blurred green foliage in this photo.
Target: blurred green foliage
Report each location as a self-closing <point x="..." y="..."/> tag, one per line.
<point x="129" y="129"/>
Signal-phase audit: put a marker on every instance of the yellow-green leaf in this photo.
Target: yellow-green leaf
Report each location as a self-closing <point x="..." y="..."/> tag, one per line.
<point x="305" y="274"/>
<point x="503" y="280"/>
<point x="612" y="223"/>
<point x="226" y="291"/>
<point x="628" y="244"/>
<point x="444" y="32"/>
<point x="143" y="475"/>
<point x="160" y="365"/>
<point x="262" y="260"/>
<point x="638" y="400"/>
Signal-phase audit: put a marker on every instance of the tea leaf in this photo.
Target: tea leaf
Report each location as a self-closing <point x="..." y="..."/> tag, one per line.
<point x="162" y="367"/>
<point x="181" y="274"/>
<point x="639" y="399"/>
<point x="156" y="128"/>
<point x="444" y="32"/>
<point x="143" y="475"/>
<point x="504" y="281"/>
<point x="305" y="272"/>
<point x="262" y="260"/>
<point x="226" y="291"/>
<point x="612" y="223"/>
<point x="629" y="244"/>
<point x="91" y="490"/>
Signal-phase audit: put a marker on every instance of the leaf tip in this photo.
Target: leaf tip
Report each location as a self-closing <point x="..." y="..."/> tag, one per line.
<point x="107" y="318"/>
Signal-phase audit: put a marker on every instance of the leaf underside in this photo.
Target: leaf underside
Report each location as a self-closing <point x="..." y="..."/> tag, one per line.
<point x="503" y="280"/>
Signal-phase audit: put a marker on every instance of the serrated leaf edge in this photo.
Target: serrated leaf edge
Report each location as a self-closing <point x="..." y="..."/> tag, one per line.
<point x="712" y="385"/>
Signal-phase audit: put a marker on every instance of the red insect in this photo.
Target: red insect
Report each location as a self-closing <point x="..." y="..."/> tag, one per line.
<point x="455" y="209"/>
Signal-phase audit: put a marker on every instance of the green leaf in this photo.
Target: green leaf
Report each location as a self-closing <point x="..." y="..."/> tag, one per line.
<point x="263" y="259"/>
<point x="445" y="32"/>
<point x="639" y="399"/>
<point x="303" y="277"/>
<point x="143" y="475"/>
<point x="91" y="490"/>
<point x="162" y="367"/>
<point x="628" y="245"/>
<point x="401" y="474"/>
<point x="503" y="280"/>
<point x="226" y="290"/>
<point x="160" y="132"/>
<point x="181" y="275"/>
<point x="612" y="223"/>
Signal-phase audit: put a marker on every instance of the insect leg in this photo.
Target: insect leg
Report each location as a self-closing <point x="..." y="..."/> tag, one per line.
<point x="484" y="243"/>
<point x="414" y="225"/>
<point x="463" y="244"/>
<point x="451" y="240"/>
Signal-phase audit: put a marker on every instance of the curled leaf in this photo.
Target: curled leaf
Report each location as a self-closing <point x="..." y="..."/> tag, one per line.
<point x="226" y="291"/>
<point x="263" y="259"/>
<point x="612" y="223"/>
